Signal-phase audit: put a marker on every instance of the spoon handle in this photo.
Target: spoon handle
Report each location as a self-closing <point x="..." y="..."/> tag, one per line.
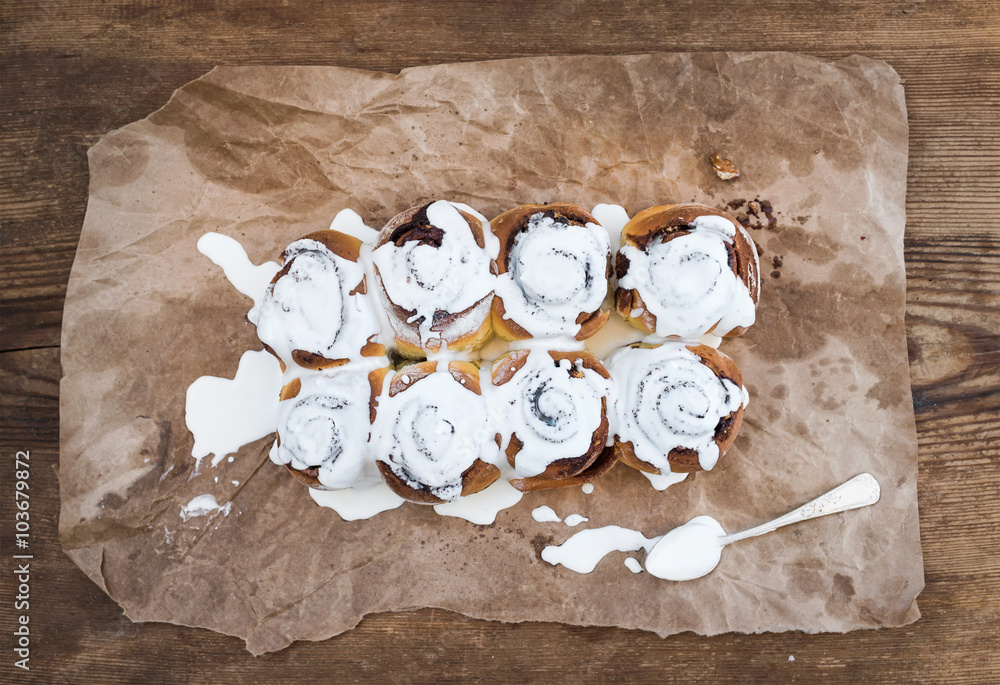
<point x="859" y="491"/>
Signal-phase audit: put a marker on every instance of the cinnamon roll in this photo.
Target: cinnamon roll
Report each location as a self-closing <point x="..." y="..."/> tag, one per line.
<point x="678" y="407"/>
<point x="686" y="270"/>
<point x="316" y="313"/>
<point x="436" y="278"/>
<point x="431" y="433"/>
<point x="554" y="265"/>
<point x="553" y="410"/>
<point x="324" y="427"/>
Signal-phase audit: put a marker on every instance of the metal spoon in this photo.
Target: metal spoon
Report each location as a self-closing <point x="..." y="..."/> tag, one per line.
<point x="694" y="549"/>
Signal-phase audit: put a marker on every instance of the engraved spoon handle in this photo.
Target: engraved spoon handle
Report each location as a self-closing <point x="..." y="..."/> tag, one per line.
<point x="859" y="491"/>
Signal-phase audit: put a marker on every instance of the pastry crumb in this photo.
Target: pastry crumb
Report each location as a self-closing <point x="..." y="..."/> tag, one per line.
<point x="724" y="169"/>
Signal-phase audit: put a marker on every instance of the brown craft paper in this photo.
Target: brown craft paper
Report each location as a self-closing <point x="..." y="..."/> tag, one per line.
<point x="267" y="154"/>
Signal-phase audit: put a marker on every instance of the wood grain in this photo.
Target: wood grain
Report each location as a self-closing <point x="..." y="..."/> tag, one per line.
<point x="72" y="71"/>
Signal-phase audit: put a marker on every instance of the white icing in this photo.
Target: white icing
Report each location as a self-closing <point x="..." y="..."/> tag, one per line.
<point x="251" y="280"/>
<point x="687" y="552"/>
<point x="687" y="282"/>
<point x="552" y="413"/>
<point x="613" y="218"/>
<point x="633" y="565"/>
<point x="555" y="272"/>
<point x="223" y="415"/>
<point x="430" y="433"/>
<point x="574" y="520"/>
<point x="545" y="514"/>
<point x="710" y="340"/>
<point x="327" y="425"/>
<point x="311" y="307"/>
<point x="202" y="505"/>
<point x="386" y="333"/>
<point x="365" y="499"/>
<point x="587" y="488"/>
<point x="482" y="507"/>
<point x="425" y="279"/>
<point x="350" y="223"/>
<point x="582" y="551"/>
<point x="663" y="481"/>
<point x="667" y="398"/>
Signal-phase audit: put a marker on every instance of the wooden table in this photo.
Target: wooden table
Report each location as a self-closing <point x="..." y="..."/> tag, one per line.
<point x="72" y="71"/>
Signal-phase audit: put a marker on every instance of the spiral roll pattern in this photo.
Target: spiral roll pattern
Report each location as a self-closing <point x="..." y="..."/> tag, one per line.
<point x="687" y="270"/>
<point x="323" y="429"/>
<point x="433" y="433"/>
<point x="314" y="313"/>
<point x="678" y="407"/>
<point x="553" y="272"/>
<point x="436" y="277"/>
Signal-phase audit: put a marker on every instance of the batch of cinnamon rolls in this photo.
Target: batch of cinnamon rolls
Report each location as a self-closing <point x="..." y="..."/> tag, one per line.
<point x="380" y="342"/>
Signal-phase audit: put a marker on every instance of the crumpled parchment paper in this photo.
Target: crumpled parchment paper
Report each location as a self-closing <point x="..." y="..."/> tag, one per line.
<point x="267" y="154"/>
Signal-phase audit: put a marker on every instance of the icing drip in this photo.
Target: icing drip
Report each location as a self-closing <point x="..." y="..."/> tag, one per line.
<point x="426" y="279"/>
<point x="553" y="412"/>
<point x="249" y="278"/>
<point x="366" y="498"/>
<point x="583" y="550"/>
<point x="431" y="432"/>
<point x="669" y="399"/>
<point x="613" y="218"/>
<point x="663" y="481"/>
<point x="687" y="283"/>
<point x="555" y="272"/>
<point x="350" y="223"/>
<point x="311" y="308"/>
<point x="223" y="414"/>
<point x="326" y="426"/>
<point x="482" y="507"/>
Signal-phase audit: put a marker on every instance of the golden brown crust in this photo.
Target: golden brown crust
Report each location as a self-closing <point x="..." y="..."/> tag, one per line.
<point x="601" y="465"/>
<point x="376" y="380"/>
<point x="506" y="227"/>
<point x="562" y="472"/>
<point x="669" y="222"/>
<point x="340" y="244"/>
<point x="410" y="225"/>
<point x="477" y="477"/>
<point x="682" y="459"/>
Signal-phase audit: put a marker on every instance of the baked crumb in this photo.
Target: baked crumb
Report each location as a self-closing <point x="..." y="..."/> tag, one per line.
<point x="724" y="169"/>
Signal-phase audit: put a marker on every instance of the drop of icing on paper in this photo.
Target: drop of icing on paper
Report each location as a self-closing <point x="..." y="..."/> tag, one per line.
<point x="587" y="488"/>
<point x="203" y="505"/>
<point x="250" y="279"/>
<point x="366" y="499"/>
<point x="545" y="514"/>
<point x="482" y="507"/>
<point x="582" y="551"/>
<point x="633" y="565"/>
<point x="574" y="520"/>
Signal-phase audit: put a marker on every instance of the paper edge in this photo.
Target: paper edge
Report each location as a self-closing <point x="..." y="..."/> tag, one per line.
<point x="863" y="65"/>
